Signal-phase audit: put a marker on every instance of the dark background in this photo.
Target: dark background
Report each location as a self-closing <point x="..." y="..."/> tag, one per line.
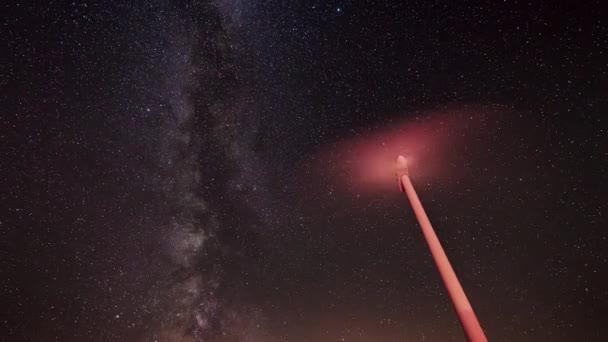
<point x="155" y="185"/>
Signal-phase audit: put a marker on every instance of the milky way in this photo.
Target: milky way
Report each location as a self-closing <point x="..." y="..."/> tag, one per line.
<point x="206" y="119"/>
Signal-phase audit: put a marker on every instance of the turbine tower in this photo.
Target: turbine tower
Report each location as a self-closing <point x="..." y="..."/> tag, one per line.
<point x="463" y="308"/>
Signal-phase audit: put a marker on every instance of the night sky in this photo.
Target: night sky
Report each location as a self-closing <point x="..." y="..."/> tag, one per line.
<point x="198" y="171"/>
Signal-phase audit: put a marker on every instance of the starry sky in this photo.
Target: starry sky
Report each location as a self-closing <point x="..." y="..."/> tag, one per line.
<point x="205" y="170"/>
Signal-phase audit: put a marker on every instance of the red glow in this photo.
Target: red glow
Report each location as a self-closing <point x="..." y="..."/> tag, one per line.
<point x="429" y="143"/>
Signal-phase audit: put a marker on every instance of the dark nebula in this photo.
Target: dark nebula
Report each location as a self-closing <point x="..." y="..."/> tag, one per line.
<point x="223" y="170"/>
